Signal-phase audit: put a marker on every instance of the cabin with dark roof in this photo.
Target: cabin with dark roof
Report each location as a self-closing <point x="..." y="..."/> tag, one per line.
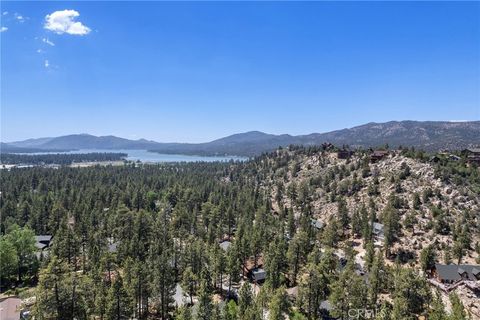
<point x="225" y="245"/>
<point x="113" y="247"/>
<point x="258" y="275"/>
<point x="326" y="146"/>
<point x="378" y="230"/>
<point x="43" y="242"/>
<point x="473" y="159"/>
<point x="435" y="159"/>
<point x="454" y="157"/>
<point x="344" y="154"/>
<point x="453" y="273"/>
<point x="471" y="152"/>
<point x="317" y="224"/>
<point x="378" y="155"/>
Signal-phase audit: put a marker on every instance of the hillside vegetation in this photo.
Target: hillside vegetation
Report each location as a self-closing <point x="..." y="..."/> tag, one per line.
<point x="149" y="241"/>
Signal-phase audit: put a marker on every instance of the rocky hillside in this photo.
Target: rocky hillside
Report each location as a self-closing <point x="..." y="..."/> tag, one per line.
<point x="430" y="206"/>
<point x="435" y="205"/>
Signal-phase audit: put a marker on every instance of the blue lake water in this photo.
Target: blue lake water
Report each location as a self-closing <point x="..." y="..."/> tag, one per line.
<point x="147" y="156"/>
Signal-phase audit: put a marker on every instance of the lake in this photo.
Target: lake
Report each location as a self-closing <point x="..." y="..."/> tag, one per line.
<point x="153" y="157"/>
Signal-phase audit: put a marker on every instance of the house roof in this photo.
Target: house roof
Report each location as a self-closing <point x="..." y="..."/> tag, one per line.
<point x="452" y="272"/>
<point x="42" y="241"/>
<point x="112" y="247"/>
<point x="293" y="291"/>
<point x="40" y="245"/>
<point x="473" y="150"/>
<point x="377" y="227"/>
<point x="225" y="245"/>
<point x="325" y="305"/>
<point x="380" y="153"/>
<point x="259" y="274"/>
<point x="317" y="224"/>
<point x="43" y="238"/>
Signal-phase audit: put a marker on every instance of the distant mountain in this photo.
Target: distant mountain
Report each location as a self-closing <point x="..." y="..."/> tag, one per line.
<point x="84" y="141"/>
<point x="8" y="148"/>
<point x="429" y="135"/>
<point x="30" y="143"/>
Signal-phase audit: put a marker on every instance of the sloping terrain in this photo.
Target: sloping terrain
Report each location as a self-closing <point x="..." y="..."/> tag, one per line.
<point x="441" y="206"/>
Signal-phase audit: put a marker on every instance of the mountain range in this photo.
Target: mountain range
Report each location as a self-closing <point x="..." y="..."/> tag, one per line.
<point x="428" y="135"/>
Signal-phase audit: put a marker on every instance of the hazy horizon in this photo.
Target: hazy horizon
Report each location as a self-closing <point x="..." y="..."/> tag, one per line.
<point x="195" y="72"/>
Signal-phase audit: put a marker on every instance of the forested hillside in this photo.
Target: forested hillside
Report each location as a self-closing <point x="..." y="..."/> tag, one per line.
<point x="59" y="159"/>
<point x="193" y="241"/>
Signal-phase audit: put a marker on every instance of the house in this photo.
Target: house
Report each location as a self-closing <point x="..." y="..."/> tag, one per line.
<point x="473" y="159"/>
<point x="43" y="241"/>
<point x="378" y="230"/>
<point x="453" y="157"/>
<point x="292" y="293"/>
<point x="225" y="245"/>
<point x="317" y="224"/>
<point x="435" y="159"/>
<point x="258" y="275"/>
<point x="452" y="273"/>
<point x="112" y="247"/>
<point x="344" y="154"/>
<point x="327" y="146"/>
<point x="378" y="155"/>
<point x="473" y="155"/>
<point x="471" y="152"/>
<point x="326" y="310"/>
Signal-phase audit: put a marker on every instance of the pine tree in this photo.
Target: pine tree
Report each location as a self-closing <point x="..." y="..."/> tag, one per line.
<point x="278" y="305"/>
<point x="189" y="282"/>
<point x="356" y="223"/>
<point x="458" y="310"/>
<point x="313" y="289"/>
<point x="348" y="292"/>
<point x="184" y="313"/>
<point x="331" y="235"/>
<point x="376" y="278"/>
<point x="61" y="293"/>
<point x="369" y="255"/>
<point x="118" y="306"/>
<point x="245" y="299"/>
<point x="297" y="254"/>
<point x="427" y="258"/>
<point x="230" y="312"/>
<point x="437" y="309"/>
<point x="391" y="227"/>
<point x="343" y="214"/>
<point x="205" y="305"/>
<point x="275" y="264"/>
<point x="161" y="264"/>
<point x="411" y="294"/>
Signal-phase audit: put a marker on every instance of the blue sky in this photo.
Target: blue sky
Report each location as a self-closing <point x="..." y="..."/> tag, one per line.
<point x="193" y="72"/>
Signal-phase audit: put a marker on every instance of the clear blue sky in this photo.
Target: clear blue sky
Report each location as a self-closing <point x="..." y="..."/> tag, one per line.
<point x="199" y="71"/>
